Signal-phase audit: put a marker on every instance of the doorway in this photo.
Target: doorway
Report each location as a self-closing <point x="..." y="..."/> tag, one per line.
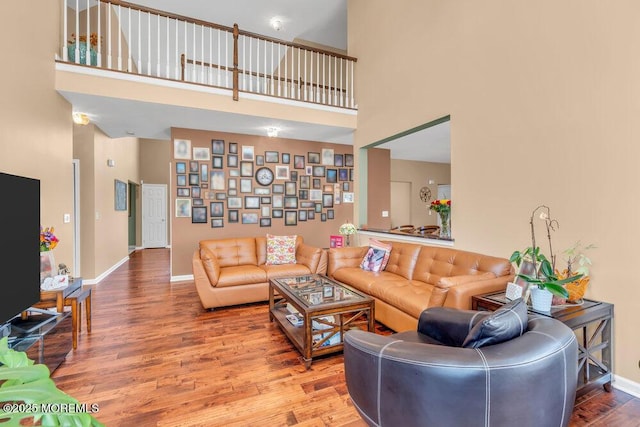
<point x="154" y="215"/>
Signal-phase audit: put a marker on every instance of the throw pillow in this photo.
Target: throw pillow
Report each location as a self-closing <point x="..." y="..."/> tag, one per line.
<point x="377" y="256"/>
<point x="281" y="249"/>
<point x="508" y="322"/>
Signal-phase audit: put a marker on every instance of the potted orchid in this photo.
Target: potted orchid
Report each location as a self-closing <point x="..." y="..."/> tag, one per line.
<point x="443" y="208"/>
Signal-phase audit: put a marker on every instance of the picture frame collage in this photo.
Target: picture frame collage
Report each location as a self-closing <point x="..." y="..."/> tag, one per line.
<point x="233" y="182"/>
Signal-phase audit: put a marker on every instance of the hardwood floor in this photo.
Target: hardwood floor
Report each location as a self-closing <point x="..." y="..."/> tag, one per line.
<point x="155" y="357"/>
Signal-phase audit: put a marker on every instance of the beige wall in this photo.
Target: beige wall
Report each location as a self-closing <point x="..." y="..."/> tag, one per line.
<point x="156" y="158"/>
<point x="544" y="103"/>
<point x="187" y="235"/>
<point x="36" y="130"/>
<point x="379" y="188"/>
<point x="418" y="174"/>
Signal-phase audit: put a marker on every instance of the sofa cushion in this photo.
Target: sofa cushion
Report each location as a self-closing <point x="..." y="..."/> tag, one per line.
<point x="377" y="256"/>
<point x="402" y="259"/>
<point x="241" y="275"/>
<point x="360" y="279"/>
<point x="232" y="252"/>
<point x="281" y="250"/>
<point x="409" y="296"/>
<point x="447" y="282"/>
<point x="507" y="322"/>
<point x="284" y="270"/>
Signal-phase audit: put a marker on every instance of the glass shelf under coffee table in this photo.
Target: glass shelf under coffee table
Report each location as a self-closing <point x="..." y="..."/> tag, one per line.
<point x="315" y="312"/>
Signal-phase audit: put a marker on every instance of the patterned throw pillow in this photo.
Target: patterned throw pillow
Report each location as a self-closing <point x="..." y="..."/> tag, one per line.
<point x="281" y="249"/>
<point x="377" y="256"/>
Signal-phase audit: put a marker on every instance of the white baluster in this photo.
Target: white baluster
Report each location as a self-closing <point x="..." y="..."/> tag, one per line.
<point x="99" y="34"/>
<point x="158" y="46"/>
<point x="109" y="52"/>
<point x="186" y="65"/>
<point x="312" y="54"/>
<point x="323" y="79"/>
<point x="306" y="78"/>
<point x="148" y="43"/>
<point x="139" y="62"/>
<point x="219" y="58"/>
<point x="210" y="71"/>
<point x="286" y="70"/>
<point x="272" y="92"/>
<point x="119" y="38"/>
<point x="341" y="97"/>
<point x="64" y="54"/>
<point x="77" y="33"/>
<point x="87" y="59"/>
<point x="226" y="58"/>
<point x="250" y="67"/>
<point x="353" y="101"/>
<point x="299" y="85"/>
<point x="178" y="65"/>
<point x="129" y="53"/>
<point x="265" y="88"/>
<point x="193" y="72"/>
<point x="279" y="67"/>
<point x="168" y="64"/>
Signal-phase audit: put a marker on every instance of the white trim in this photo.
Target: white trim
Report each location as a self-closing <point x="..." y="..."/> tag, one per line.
<point x="183" y="278"/>
<point x="106" y="273"/>
<point x="628" y="386"/>
<point x="403" y="238"/>
<point x="77" y="272"/>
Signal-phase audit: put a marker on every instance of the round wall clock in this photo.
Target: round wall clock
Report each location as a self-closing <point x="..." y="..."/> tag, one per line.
<point x="425" y="194"/>
<point x="264" y="176"/>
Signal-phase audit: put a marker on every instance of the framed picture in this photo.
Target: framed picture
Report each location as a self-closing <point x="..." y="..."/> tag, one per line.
<point x="201" y="153"/>
<point x="259" y="160"/>
<point x="286" y="158"/>
<point x="232" y="192"/>
<point x="298" y="162"/>
<point x="265" y="222"/>
<point x="330" y="214"/>
<point x="120" y="195"/>
<point x="271" y="156"/>
<point x="303" y="194"/>
<point x="318" y="171"/>
<point x="232" y="160"/>
<point x="327" y="156"/>
<point x="182" y="149"/>
<point x="232" y="183"/>
<point x="311" y="214"/>
<point x="204" y="172"/>
<point x="302" y="215"/>
<point x="345" y="186"/>
<point x="199" y="215"/>
<point x="315" y="195"/>
<point x="350" y="174"/>
<point x="291" y="202"/>
<point x="217" y="209"/>
<point x="217" y="162"/>
<point x="217" y="146"/>
<point x="184" y="192"/>
<point x="290" y="217"/>
<point x="233" y="147"/>
<point x="221" y="196"/>
<point x="247" y="153"/>
<point x="307" y="204"/>
<point x="277" y="213"/>
<point x="197" y="202"/>
<point x="332" y="175"/>
<point x="290" y="188"/>
<point x="265" y="200"/>
<point x="317" y="183"/>
<point x="328" y="188"/>
<point x="313" y="158"/>
<point x="194" y="179"/>
<point x="308" y="170"/>
<point x="338" y="160"/>
<point x="181" y="167"/>
<point x="181" y="180"/>
<point x="195" y="192"/>
<point x="249" y="218"/>
<point x="318" y="207"/>
<point x="204" y="185"/>
<point x="323" y="217"/>
<point x="234" y="172"/>
<point x="343" y="174"/>
<point x="193" y="166"/>
<point x="217" y="223"/>
<point x="251" y="202"/>
<point x="327" y="200"/>
<point x="265" y="211"/>
<point x="217" y="180"/>
<point x="277" y="201"/>
<point x="245" y="185"/>
<point x="293" y="176"/>
<point x="261" y="191"/>
<point x="277" y="188"/>
<point x="305" y="182"/>
<point x="234" y="202"/>
<point x="347" y="197"/>
<point x="233" y="215"/>
<point x="282" y="172"/>
<point x="246" y="168"/>
<point x="183" y="208"/>
<point x="348" y="160"/>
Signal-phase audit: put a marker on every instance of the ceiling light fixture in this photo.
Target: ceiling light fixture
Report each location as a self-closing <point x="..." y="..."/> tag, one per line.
<point x="275" y="23"/>
<point x="80" y="118"/>
<point x="272" y="132"/>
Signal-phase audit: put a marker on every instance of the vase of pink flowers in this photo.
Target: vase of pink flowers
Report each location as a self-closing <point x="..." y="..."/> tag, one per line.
<point x="443" y="209"/>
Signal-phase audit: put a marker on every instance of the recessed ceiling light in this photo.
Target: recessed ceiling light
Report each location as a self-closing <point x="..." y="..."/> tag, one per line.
<point x="80" y="118"/>
<point x="276" y="23"/>
<point x="129" y="132"/>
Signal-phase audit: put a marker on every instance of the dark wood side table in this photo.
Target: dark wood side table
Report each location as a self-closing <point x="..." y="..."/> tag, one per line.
<point x="591" y="321"/>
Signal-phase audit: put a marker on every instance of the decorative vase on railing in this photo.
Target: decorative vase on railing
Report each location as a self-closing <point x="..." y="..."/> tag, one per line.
<point x="445" y="226"/>
<point x="82" y="48"/>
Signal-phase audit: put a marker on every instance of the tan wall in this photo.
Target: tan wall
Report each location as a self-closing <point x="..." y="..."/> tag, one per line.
<point x="83" y="150"/>
<point x="418" y="175"/>
<point x="544" y="104"/>
<point x="187" y="235"/>
<point x="379" y="188"/>
<point x="156" y="158"/>
<point x="36" y="130"/>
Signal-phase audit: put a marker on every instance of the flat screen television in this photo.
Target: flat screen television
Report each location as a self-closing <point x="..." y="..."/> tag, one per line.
<point x="20" y="243"/>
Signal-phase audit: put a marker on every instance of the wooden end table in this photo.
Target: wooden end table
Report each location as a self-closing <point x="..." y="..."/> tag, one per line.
<point x="326" y="309"/>
<point x="591" y="321"/>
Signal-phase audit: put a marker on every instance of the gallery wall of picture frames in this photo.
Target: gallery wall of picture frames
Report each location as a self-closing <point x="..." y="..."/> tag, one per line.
<point x="235" y="183"/>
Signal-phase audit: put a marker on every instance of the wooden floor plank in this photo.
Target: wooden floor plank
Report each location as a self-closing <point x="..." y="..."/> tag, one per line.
<point x="156" y="358"/>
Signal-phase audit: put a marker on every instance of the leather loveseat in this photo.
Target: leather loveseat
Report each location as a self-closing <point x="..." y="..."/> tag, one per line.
<point x="234" y="271"/>
<point x="418" y="277"/>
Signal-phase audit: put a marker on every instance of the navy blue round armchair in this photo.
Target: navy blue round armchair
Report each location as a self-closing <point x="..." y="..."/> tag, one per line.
<point x="465" y="368"/>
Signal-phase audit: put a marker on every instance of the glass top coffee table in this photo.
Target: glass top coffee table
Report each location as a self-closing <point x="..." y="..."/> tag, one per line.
<point x="315" y="312"/>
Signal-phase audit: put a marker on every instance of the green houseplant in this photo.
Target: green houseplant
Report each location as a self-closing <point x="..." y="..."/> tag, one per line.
<point x="28" y="394"/>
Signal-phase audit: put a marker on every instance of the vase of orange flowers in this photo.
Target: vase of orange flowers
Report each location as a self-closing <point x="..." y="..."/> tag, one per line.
<point x="48" y="241"/>
<point x="81" y="46"/>
<point x="443" y="208"/>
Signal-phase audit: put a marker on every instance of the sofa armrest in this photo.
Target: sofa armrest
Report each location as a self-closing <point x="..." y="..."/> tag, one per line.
<point x="313" y="258"/>
<point x="211" y="265"/>
<point x="448" y="326"/>
<point x="459" y="294"/>
<point x="345" y="257"/>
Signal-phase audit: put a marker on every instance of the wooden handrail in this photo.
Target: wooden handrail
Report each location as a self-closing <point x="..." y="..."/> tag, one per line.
<point x="235" y="62"/>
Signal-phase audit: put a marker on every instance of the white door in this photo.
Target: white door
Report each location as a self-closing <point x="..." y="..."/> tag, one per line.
<point x="400" y="203"/>
<point x="154" y="215"/>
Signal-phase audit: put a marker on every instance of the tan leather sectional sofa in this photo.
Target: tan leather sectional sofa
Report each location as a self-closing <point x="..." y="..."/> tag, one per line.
<point x="234" y="271"/>
<point x="418" y="277"/>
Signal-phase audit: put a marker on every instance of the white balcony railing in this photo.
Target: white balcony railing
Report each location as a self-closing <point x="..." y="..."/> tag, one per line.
<point x="133" y="39"/>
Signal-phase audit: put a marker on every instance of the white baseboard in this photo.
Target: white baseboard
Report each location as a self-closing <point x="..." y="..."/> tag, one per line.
<point x="183" y="278"/>
<point x="628" y="386"/>
<point x="105" y="274"/>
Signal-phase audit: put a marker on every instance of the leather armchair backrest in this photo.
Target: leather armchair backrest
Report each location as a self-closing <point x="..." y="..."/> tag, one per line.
<point x="434" y="263"/>
<point x="261" y="248"/>
<point x="402" y="259"/>
<point x="233" y="252"/>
